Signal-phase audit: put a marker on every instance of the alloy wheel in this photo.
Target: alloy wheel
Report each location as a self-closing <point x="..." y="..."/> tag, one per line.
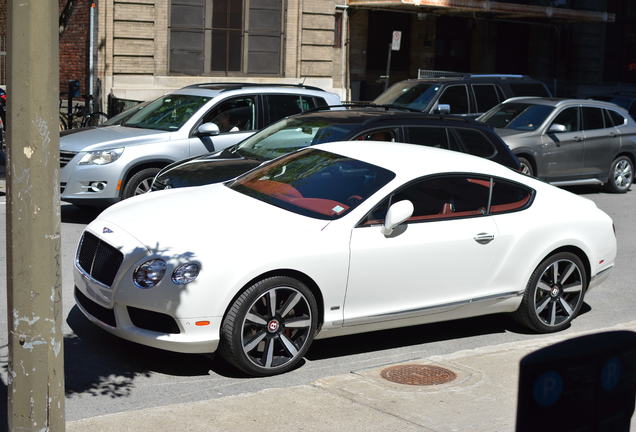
<point x="143" y="186"/>
<point x="623" y="174"/>
<point x="276" y="327"/>
<point x="558" y="292"/>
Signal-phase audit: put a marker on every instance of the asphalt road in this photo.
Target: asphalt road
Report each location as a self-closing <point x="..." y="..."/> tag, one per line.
<point x="106" y="375"/>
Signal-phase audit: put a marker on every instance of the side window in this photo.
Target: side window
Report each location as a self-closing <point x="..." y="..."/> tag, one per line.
<point x="428" y="136"/>
<point x="592" y="118"/>
<point x="476" y="143"/>
<point x="617" y="119"/>
<point x="284" y="105"/>
<point x="569" y="118"/>
<point x="438" y="198"/>
<point x="507" y="197"/>
<point x="319" y="102"/>
<point x="457" y="97"/>
<point x="486" y="96"/>
<point x="233" y="115"/>
<point x="378" y="135"/>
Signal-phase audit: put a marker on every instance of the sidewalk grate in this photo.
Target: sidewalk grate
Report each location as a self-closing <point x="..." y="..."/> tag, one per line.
<point x="421" y="375"/>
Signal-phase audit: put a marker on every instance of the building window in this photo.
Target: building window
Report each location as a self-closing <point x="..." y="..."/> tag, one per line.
<point x="212" y="37"/>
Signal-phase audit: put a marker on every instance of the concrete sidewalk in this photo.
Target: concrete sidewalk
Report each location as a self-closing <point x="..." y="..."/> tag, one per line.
<point x="482" y="397"/>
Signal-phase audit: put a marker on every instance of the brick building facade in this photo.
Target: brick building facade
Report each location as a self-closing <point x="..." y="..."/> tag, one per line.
<point x="73" y="43"/>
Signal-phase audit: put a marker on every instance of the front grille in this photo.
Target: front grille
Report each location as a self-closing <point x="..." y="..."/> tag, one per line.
<point x="98" y="259"/>
<point x="62" y="187"/>
<point x="65" y="158"/>
<point x="153" y="321"/>
<point x="103" y="314"/>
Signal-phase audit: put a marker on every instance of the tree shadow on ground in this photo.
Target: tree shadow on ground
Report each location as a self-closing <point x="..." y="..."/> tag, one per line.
<point x="418" y="335"/>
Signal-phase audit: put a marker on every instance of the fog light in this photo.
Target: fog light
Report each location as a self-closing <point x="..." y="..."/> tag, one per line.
<point x="97" y="186"/>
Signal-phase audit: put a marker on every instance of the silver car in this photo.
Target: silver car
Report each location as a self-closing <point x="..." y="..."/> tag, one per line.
<point x="569" y="141"/>
<point x="103" y="165"/>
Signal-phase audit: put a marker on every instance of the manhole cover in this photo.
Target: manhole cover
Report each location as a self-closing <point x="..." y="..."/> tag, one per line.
<point x="418" y="374"/>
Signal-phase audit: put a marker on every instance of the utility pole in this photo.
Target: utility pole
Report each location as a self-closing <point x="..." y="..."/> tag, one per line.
<point x="34" y="303"/>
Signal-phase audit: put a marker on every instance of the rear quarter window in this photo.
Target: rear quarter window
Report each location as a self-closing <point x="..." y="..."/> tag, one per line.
<point x="476" y="143"/>
<point x="528" y="89"/>
<point x="509" y="197"/>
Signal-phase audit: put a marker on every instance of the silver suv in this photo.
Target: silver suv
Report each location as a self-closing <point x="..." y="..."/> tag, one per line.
<point x="103" y="165"/>
<point x="569" y="141"/>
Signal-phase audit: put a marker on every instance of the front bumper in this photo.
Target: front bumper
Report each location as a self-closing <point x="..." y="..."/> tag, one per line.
<point x="164" y="317"/>
<point x="90" y="184"/>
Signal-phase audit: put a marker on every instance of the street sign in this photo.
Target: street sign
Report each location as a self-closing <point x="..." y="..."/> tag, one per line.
<point x="396" y="40"/>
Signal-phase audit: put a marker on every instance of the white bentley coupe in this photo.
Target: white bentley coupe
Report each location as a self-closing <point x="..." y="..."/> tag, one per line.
<point x="336" y="239"/>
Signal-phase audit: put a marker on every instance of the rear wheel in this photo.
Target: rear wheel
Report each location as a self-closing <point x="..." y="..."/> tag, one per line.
<point x="621" y="175"/>
<point x="270" y="326"/>
<point x="140" y="182"/>
<point x="554" y="293"/>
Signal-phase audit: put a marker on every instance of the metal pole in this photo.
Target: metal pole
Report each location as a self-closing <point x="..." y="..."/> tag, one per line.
<point x="388" y="69"/>
<point x="36" y="343"/>
<point x="91" y="54"/>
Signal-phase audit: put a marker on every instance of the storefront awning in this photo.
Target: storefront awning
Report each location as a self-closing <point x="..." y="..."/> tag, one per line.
<point x="491" y="8"/>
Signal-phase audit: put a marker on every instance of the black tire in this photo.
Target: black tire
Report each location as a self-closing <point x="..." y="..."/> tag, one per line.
<point x="139" y="183"/>
<point x="261" y="342"/>
<point x="63" y="123"/>
<point x="621" y="175"/>
<point x="552" y="300"/>
<point x="95" y="119"/>
<point x="525" y="166"/>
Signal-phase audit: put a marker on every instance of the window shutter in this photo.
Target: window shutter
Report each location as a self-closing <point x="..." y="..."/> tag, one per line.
<point x="264" y="43"/>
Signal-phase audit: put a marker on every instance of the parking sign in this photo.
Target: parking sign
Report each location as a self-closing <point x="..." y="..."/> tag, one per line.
<point x="395" y="42"/>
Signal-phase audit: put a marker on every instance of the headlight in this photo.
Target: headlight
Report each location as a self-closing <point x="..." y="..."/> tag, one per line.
<point x="101" y="157"/>
<point x="185" y="273"/>
<point x="149" y="273"/>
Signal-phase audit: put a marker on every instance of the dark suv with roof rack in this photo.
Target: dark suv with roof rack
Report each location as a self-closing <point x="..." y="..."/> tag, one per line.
<point x="460" y="94"/>
<point x="366" y="122"/>
<point x="107" y="164"/>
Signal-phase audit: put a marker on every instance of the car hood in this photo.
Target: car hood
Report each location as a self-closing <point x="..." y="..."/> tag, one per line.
<point x="204" y="170"/>
<point x="197" y="218"/>
<point x="109" y="137"/>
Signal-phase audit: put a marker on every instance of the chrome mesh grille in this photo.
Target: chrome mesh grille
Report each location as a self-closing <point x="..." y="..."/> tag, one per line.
<point x="98" y="259"/>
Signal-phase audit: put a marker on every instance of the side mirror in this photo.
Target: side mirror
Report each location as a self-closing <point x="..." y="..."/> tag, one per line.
<point x="557" y="128"/>
<point x="442" y="109"/>
<point x="208" y="129"/>
<point x="398" y="213"/>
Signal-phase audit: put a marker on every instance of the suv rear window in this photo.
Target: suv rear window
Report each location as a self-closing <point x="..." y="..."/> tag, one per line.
<point x="529" y="89"/>
<point x="476" y="143"/>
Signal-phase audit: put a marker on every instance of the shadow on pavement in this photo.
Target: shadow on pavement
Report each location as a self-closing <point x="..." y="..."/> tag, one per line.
<point x="417" y="335"/>
<point x="99" y="363"/>
<point x="4" y="409"/>
<point x="78" y="215"/>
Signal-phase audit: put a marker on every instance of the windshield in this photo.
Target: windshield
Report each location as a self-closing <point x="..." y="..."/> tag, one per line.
<point x="517" y="116"/>
<point x="124" y="115"/>
<point x="292" y="134"/>
<point x="314" y="183"/>
<point x="409" y="94"/>
<point x="167" y="113"/>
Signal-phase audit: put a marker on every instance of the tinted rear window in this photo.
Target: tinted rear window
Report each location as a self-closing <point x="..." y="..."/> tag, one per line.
<point x="476" y="143"/>
<point x="528" y="89"/>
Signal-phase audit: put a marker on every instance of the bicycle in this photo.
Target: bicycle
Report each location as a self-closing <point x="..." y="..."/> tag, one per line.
<point x="81" y="116"/>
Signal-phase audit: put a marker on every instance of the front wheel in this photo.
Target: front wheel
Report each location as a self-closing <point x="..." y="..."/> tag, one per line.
<point x="554" y="293"/>
<point x="269" y="327"/>
<point x="139" y="183"/>
<point x="621" y="174"/>
<point x="525" y="166"/>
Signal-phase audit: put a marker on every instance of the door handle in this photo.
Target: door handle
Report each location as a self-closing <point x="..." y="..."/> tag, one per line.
<point x="484" y="238"/>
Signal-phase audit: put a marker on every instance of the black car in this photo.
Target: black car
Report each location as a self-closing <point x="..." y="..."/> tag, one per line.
<point x="460" y="94"/>
<point x="354" y="123"/>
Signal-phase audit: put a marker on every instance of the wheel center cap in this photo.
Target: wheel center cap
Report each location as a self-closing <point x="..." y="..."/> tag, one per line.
<point x="273" y="326"/>
<point x="555" y="292"/>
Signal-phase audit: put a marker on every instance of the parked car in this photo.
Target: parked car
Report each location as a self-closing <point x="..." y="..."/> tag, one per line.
<point x="103" y="165"/>
<point x="336" y="239"/>
<point x="625" y="100"/>
<point x="569" y="141"/>
<point x="467" y="94"/>
<point x="355" y="123"/>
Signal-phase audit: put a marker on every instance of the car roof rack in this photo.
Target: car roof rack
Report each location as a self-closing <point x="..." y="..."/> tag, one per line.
<point x="423" y="74"/>
<point x="227" y="86"/>
<point x="386" y="107"/>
